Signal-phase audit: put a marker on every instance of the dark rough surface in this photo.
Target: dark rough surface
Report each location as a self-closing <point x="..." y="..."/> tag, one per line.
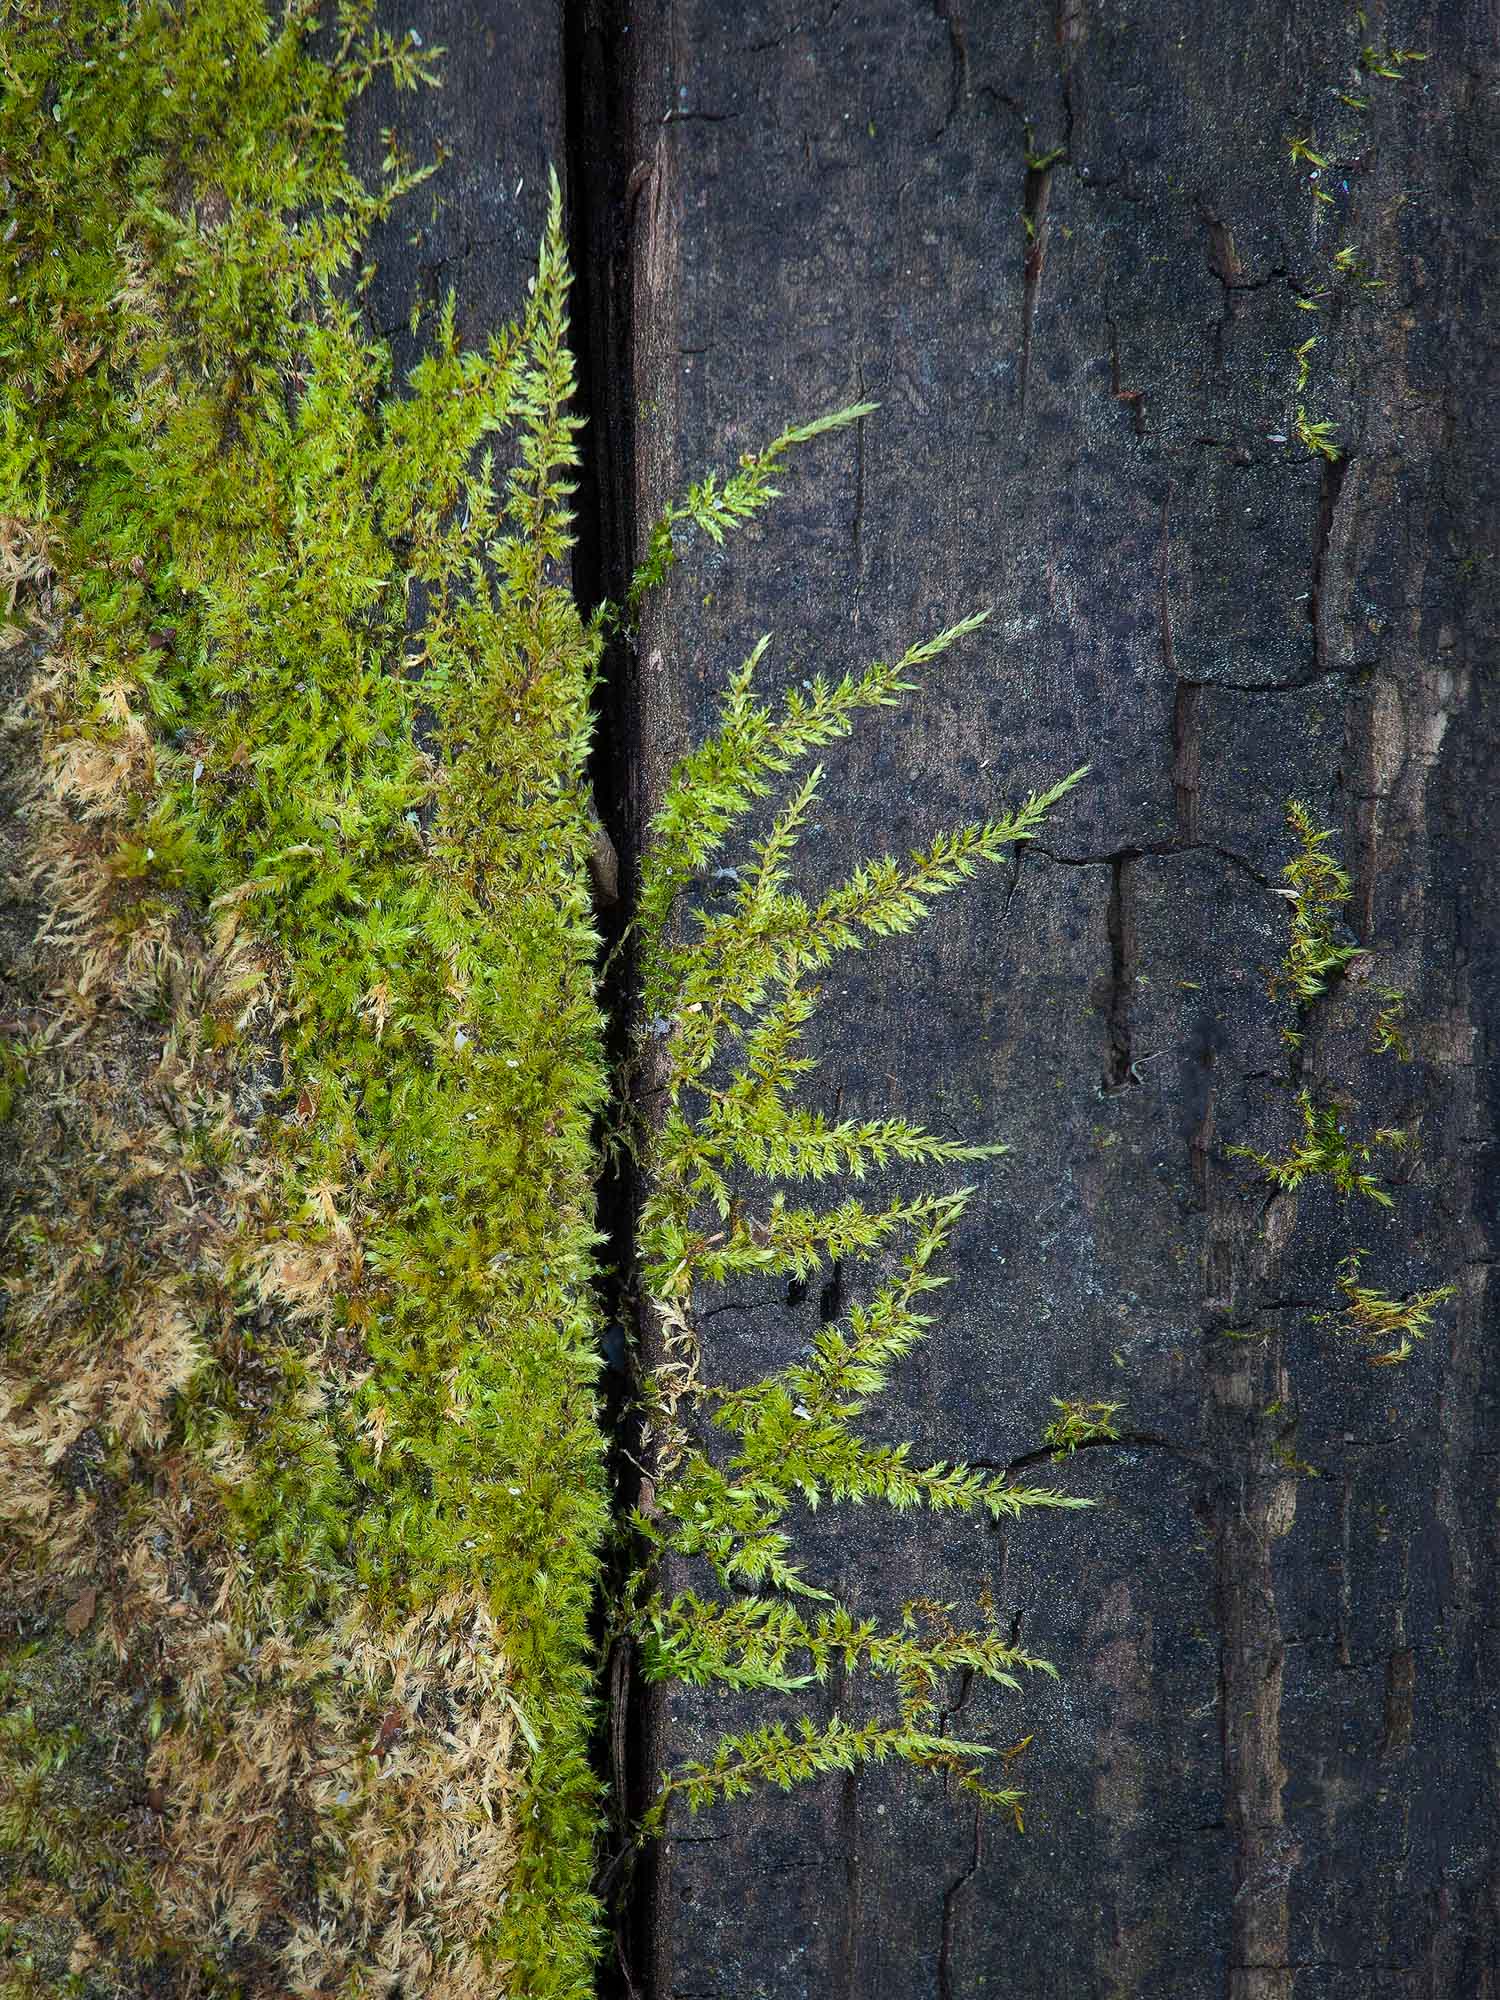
<point x="1268" y="1767"/>
<point x="497" y="126"/>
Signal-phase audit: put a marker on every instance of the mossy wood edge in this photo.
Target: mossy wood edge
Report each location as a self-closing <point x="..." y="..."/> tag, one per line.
<point x="304" y="1487"/>
<point x="305" y="1479"/>
<point x="301" y="1086"/>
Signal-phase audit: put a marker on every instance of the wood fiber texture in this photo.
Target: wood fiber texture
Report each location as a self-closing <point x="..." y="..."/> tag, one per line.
<point x="496" y="127"/>
<point x="1267" y="1768"/>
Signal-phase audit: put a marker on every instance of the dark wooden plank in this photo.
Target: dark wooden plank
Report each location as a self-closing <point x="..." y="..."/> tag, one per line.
<point x="1269" y="1757"/>
<point x="497" y="125"/>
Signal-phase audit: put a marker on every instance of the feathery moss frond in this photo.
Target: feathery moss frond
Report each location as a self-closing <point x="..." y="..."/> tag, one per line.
<point x="729" y="997"/>
<point x="717" y="504"/>
<point x="713" y="788"/>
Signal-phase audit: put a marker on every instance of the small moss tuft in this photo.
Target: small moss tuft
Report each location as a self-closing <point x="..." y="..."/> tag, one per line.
<point x="1318" y="890"/>
<point x="1375" y="1319"/>
<point x="1080" y="1422"/>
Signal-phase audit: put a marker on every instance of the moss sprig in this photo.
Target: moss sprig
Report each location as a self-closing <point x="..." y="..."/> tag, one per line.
<point x="1327" y="1149"/>
<point x="1317" y="889"/>
<point x="730" y="994"/>
<point x="1081" y="1421"/>
<point x="1374" y="1318"/>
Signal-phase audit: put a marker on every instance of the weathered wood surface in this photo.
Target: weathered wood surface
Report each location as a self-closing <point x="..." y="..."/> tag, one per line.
<point x="496" y="127"/>
<point x="1268" y="1766"/>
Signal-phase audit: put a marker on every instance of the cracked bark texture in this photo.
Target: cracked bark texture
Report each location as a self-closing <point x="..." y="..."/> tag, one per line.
<point x="1268" y="1767"/>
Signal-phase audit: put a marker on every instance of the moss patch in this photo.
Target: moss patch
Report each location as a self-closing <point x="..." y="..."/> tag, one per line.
<point x="310" y="1042"/>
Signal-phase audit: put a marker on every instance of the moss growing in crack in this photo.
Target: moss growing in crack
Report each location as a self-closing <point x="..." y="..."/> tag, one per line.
<point x="1318" y="890"/>
<point x="1319" y="436"/>
<point x="299" y="1411"/>
<point x="1320" y="955"/>
<point x="1317" y="962"/>
<point x="302" y="1381"/>
<point x="1081" y="1422"/>
<point x="1374" y="1319"/>
<point x="729" y="993"/>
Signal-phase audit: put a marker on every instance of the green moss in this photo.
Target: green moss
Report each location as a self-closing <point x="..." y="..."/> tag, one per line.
<point x="1325" y="1150"/>
<point x="1318" y="962"/>
<point x="1348" y="282"/>
<point x="1318" y="890"/>
<point x="12" y="1079"/>
<point x="728" y="1149"/>
<point x="331" y="697"/>
<point x="1081" y="1422"/>
<point x="1375" y="1319"/>
<point x="1387" y="1034"/>
<point x="245" y="512"/>
<point x="64" y="1814"/>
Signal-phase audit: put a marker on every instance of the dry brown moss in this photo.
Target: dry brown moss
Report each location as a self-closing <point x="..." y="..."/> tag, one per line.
<point x="190" y="1787"/>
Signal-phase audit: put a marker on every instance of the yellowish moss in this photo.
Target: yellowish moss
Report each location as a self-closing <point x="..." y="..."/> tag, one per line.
<point x="1375" y="1319"/>
<point x="1320" y="958"/>
<point x="1080" y="1422"/>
